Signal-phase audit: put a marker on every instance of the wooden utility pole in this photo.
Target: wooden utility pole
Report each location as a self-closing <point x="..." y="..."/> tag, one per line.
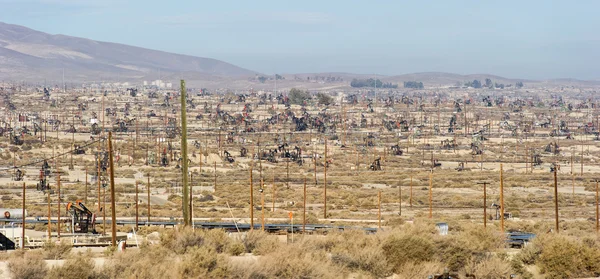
<point x="379" y="209"/>
<point x="148" y="186"/>
<point x="251" y="199"/>
<point x="262" y="208"/>
<point x="411" y="192"/>
<point x="23" y="221"/>
<point x="400" y="199"/>
<point x="112" y="191"/>
<point x="484" y="203"/>
<point x="274" y="192"/>
<point x="184" y="163"/>
<point x="431" y="194"/>
<point x="86" y="186"/>
<point x="215" y="167"/>
<point x="98" y="180"/>
<point x="58" y="190"/>
<point x="325" y="184"/>
<point x="501" y="200"/>
<point x="49" y="217"/>
<point x="136" y="205"/>
<point x="556" y="200"/>
<point x="597" y="210"/>
<point x="304" y="208"/>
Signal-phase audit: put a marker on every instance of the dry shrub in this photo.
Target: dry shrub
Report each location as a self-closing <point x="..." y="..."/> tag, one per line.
<point x="27" y="265"/>
<point x="236" y="248"/>
<point x="412" y="270"/>
<point x="77" y="267"/>
<point x="54" y="251"/>
<point x="408" y="248"/>
<point x="562" y="257"/>
<point x="259" y="242"/>
<point x="180" y="240"/>
<point x="483" y="240"/>
<point x="147" y="262"/>
<point x="203" y="262"/>
<point x="488" y="268"/>
<point x="294" y="262"/>
<point x="454" y="251"/>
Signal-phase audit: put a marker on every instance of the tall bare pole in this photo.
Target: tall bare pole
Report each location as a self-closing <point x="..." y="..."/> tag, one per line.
<point x="251" y="199"/>
<point x="112" y="191"/>
<point x="379" y="209"/>
<point x="501" y="200"/>
<point x="484" y="203"/>
<point x="137" y="205"/>
<point x="86" y="186"/>
<point x="49" y="217"/>
<point x="325" y="184"/>
<point x="184" y="164"/>
<point x="597" y="210"/>
<point x="148" y="186"/>
<point x="215" y="166"/>
<point x="304" y="208"/>
<point x="431" y="194"/>
<point x="58" y="190"/>
<point x="400" y="199"/>
<point x="98" y="180"/>
<point x="556" y="200"/>
<point x="411" y="192"/>
<point x="23" y="221"/>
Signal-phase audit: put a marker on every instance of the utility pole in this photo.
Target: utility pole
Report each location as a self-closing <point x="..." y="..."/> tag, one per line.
<point x="148" y="186"/>
<point x="325" y="185"/>
<point x="112" y="191"/>
<point x="501" y="200"/>
<point x="400" y="200"/>
<point x="484" y="203"/>
<point x="184" y="163"/>
<point x="597" y="210"/>
<point x="136" y="205"/>
<point x="411" y="192"/>
<point x="58" y="190"/>
<point x="86" y="186"/>
<point x="304" y="207"/>
<point x="379" y="209"/>
<point x="251" y="199"/>
<point x="431" y="194"/>
<point x="556" y="200"/>
<point x="23" y="221"/>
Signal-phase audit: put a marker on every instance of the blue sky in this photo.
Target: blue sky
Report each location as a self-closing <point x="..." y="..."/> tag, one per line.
<point x="520" y="39"/>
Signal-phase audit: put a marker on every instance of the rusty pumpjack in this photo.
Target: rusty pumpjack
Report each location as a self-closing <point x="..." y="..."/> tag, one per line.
<point x="82" y="219"/>
<point x="396" y="150"/>
<point x="376" y="165"/>
<point x="18" y="175"/>
<point x="16" y="139"/>
<point x="228" y="157"/>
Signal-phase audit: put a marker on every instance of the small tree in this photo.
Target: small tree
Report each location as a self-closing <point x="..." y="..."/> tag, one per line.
<point x="324" y="99"/>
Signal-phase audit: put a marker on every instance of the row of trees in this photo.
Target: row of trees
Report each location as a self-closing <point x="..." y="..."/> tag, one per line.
<point x="413" y="84"/>
<point x="300" y="97"/>
<point x="371" y="83"/>
<point x="489" y="84"/>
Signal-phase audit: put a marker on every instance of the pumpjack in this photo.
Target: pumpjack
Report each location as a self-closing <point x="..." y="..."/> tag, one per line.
<point x="376" y="165"/>
<point x="82" y="219"/>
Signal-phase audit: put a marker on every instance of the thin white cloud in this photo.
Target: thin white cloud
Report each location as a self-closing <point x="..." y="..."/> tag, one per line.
<point x="300" y="18"/>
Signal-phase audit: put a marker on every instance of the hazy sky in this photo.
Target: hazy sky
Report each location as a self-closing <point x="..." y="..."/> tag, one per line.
<point x="520" y="39"/>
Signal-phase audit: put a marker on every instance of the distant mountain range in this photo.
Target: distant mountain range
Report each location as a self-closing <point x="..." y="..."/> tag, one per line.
<point x="34" y="56"/>
<point x="27" y="54"/>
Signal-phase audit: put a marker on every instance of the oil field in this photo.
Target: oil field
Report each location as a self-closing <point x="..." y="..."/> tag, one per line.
<point x="314" y="139"/>
<point x="500" y="166"/>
